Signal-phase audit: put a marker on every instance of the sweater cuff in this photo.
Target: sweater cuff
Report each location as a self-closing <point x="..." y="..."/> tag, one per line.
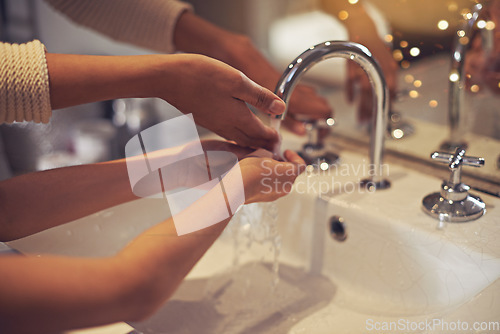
<point x="149" y="24"/>
<point x="175" y="14"/>
<point x="24" y="83"/>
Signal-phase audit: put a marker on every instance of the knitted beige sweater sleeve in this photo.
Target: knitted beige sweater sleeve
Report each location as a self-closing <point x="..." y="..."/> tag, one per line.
<point x="145" y="23"/>
<point x="24" y="79"/>
<point x="24" y="83"/>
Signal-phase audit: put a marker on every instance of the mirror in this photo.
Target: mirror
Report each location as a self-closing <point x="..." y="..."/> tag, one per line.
<point x="425" y="36"/>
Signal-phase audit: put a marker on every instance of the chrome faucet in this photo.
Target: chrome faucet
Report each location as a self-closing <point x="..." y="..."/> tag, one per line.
<point x="456" y="112"/>
<point x="454" y="203"/>
<point x="362" y="56"/>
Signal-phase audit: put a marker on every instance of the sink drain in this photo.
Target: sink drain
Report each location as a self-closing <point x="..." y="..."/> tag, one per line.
<point x="337" y="228"/>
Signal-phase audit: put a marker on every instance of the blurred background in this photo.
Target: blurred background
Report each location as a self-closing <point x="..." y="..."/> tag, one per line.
<point x="416" y="30"/>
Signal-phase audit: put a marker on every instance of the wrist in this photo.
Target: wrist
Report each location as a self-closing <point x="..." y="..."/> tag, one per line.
<point x="240" y="53"/>
<point x="163" y="75"/>
<point x="193" y="34"/>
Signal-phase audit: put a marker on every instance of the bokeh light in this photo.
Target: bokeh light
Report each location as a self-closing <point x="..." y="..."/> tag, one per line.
<point x="343" y="15"/>
<point x="397" y="55"/>
<point x="443" y="25"/>
<point x="490" y="25"/>
<point x="414" y="51"/>
<point x="452" y="6"/>
<point x="454" y="76"/>
<point x="409" y="78"/>
<point x="405" y="64"/>
<point x="463" y="40"/>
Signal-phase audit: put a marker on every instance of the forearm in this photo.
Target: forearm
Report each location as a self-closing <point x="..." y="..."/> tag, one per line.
<point x="49" y="294"/>
<point x="146" y="23"/>
<point x="196" y="35"/>
<point x="75" y="192"/>
<point x="165" y="259"/>
<point x="45" y="294"/>
<point x="42" y="294"/>
<point x="78" y="79"/>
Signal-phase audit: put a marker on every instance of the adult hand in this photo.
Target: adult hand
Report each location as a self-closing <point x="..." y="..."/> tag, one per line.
<point x="215" y="93"/>
<point x="193" y="34"/>
<point x="305" y="103"/>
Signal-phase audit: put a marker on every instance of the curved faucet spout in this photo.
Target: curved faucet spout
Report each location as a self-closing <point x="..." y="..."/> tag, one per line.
<point x="456" y="111"/>
<point x="362" y="56"/>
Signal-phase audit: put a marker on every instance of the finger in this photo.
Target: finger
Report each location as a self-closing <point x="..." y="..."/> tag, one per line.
<point x="260" y="153"/>
<point x="259" y="97"/>
<point x="294" y="126"/>
<point x="262" y="135"/>
<point x="306" y="103"/>
<point x="219" y="145"/>
<point x="287" y="172"/>
<point x="293" y="157"/>
<point x="248" y="128"/>
<point x="237" y="136"/>
<point x="257" y="142"/>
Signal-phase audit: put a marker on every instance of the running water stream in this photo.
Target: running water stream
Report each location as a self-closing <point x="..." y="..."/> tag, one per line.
<point x="254" y="230"/>
<point x="275" y="123"/>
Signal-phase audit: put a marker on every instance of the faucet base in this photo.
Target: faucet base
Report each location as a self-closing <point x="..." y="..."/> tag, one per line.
<point x="371" y="185"/>
<point x="320" y="160"/>
<point x="450" y="146"/>
<point x="470" y="208"/>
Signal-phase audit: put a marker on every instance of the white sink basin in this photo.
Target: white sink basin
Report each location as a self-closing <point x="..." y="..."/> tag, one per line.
<point x="395" y="260"/>
<point x="395" y="263"/>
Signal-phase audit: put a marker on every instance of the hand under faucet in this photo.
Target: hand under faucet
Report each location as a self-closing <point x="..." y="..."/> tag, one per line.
<point x="362" y="56"/>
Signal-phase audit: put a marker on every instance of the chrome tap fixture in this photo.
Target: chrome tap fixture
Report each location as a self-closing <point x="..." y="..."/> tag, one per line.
<point x="454" y="203"/>
<point x="456" y="112"/>
<point x="362" y="56"/>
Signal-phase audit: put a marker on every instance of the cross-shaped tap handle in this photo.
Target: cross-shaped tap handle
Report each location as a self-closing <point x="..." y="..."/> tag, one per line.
<point x="455" y="161"/>
<point x="453" y="201"/>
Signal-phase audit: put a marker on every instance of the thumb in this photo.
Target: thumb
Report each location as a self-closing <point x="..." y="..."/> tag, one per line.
<point x="259" y="97"/>
<point x="295" y="126"/>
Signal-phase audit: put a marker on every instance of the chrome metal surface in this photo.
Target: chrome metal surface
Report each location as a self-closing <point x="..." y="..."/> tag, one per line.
<point x="362" y="56"/>
<point x="456" y="111"/>
<point x="314" y="151"/>
<point x="322" y="161"/>
<point x="466" y="210"/>
<point x="454" y="203"/>
<point x="372" y="186"/>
